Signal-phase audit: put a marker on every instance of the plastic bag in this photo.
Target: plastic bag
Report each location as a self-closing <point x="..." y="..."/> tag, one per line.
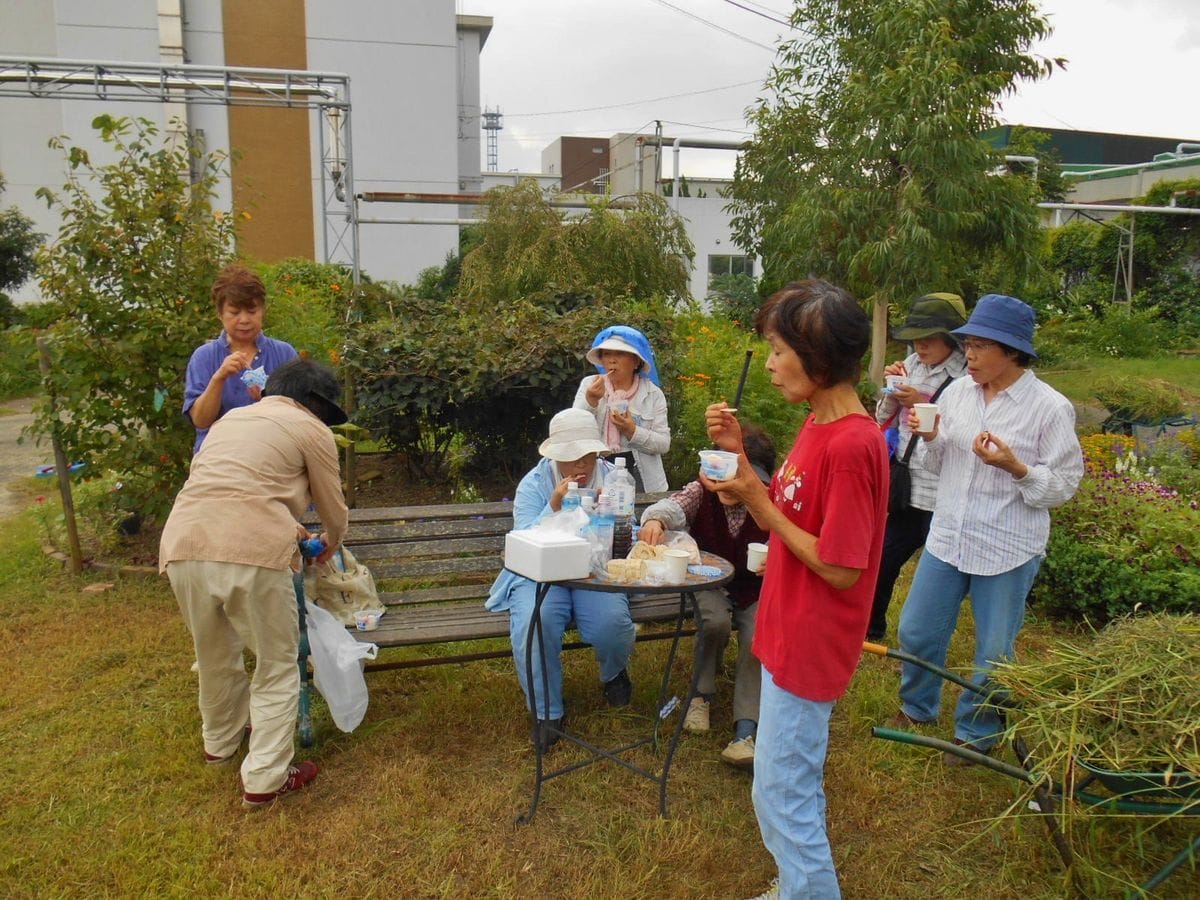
<point x="342" y="590"/>
<point x="338" y="661"/>
<point x="565" y="521"/>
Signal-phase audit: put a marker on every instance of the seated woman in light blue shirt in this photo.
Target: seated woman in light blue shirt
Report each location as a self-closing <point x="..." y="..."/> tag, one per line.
<point x="1005" y="448"/>
<point x="603" y="619"/>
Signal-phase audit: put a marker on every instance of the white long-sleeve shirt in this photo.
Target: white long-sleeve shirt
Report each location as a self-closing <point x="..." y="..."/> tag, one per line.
<point x="652" y="434"/>
<point x="985" y="521"/>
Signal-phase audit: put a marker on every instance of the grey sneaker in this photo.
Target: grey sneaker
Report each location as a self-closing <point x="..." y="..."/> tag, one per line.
<point x="740" y="754"/>
<point x="696" y="719"/>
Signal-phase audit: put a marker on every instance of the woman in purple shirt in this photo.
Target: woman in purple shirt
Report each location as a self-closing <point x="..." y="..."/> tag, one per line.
<point x="213" y="384"/>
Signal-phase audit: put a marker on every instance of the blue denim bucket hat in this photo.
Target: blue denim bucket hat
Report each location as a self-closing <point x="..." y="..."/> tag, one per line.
<point x="1006" y="320"/>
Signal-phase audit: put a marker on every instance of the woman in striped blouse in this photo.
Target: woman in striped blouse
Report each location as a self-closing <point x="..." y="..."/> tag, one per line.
<point x="1005" y="449"/>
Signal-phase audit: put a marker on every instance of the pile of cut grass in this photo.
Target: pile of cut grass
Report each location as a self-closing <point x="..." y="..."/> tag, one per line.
<point x="1127" y="701"/>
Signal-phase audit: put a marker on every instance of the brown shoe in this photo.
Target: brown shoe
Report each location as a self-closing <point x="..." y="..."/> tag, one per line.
<point x="954" y="760"/>
<point x="902" y="721"/>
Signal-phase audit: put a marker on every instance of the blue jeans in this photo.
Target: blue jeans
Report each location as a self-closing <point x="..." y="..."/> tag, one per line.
<point x="789" y="799"/>
<point x="603" y="621"/>
<point x="927" y="623"/>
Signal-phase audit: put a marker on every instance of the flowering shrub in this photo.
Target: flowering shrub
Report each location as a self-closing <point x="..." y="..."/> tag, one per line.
<point x="1126" y="541"/>
<point x="710" y="353"/>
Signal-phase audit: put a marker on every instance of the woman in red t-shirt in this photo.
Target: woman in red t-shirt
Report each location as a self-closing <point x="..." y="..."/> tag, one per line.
<point x="825" y="510"/>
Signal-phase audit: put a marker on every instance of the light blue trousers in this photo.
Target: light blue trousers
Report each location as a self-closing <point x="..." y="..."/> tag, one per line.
<point x="603" y="621"/>
<point x="788" y="794"/>
<point x="927" y="623"/>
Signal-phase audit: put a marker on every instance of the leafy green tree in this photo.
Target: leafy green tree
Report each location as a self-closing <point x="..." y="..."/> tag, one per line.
<point x="735" y="297"/>
<point x="484" y="368"/>
<point x="526" y="247"/>
<point x="1052" y="186"/>
<point x="132" y="266"/>
<point x="866" y="166"/>
<point x="18" y="241"/>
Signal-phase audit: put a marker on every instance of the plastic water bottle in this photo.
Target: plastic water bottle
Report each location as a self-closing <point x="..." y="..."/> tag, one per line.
<point x="602" y="524"/>
<point x="572" y="498"/>
<point x="619" y="488"/>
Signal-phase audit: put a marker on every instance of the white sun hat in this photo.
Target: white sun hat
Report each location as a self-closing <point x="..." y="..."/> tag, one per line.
<point x="573" y="435"/>
<point x="613" y="343"/>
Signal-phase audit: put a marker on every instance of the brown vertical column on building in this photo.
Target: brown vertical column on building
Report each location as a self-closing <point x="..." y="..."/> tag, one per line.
<point x="272" y="177"/>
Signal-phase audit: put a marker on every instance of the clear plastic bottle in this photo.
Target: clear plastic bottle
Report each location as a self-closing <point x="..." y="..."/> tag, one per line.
<point x="572" y="498"/>
<point x="620" y="489"/>
<point x="602" y="524"/>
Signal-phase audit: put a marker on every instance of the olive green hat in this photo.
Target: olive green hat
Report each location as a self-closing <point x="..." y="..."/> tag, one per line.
<point x="937" y="313"/>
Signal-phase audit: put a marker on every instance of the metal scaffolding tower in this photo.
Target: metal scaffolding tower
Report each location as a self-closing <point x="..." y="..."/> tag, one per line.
<point x="491" y="125"/>
<point x="326" y="92"/>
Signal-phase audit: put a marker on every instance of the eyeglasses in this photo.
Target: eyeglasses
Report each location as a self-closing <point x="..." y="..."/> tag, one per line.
<point x="975" y="345"/>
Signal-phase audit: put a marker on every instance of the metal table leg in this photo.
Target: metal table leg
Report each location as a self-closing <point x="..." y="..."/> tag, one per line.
<point x="685" y="598"/>
<point x="535" y="627"/>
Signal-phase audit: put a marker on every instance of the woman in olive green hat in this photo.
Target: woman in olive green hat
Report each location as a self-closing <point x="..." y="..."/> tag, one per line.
<point x="936" y="360"/>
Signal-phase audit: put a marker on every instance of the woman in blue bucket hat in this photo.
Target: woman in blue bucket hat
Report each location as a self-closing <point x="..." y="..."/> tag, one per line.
<point x="628" y="404"/>
<point x="1004" y="445"/>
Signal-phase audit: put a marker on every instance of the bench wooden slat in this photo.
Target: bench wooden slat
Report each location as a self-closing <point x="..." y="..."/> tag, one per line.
<point x="435" y="568"/>
<point x="427" y="530"/>
<point x="478" y="591"/>
<point x="447" y="547"/>
<point x="406" y="626"/>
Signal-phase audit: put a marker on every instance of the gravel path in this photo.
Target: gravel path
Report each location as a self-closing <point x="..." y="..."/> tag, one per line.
<point x="18" y="461"/>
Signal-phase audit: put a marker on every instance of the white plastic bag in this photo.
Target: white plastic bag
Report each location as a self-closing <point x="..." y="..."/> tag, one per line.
<point x="338" y="661"/>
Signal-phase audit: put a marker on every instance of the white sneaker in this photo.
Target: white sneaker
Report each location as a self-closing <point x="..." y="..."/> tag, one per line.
<point x="740" y="753"/>
<point x="697" y="715"/>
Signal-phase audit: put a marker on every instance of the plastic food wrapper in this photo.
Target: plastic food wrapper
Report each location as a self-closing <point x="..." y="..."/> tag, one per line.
<point x="672" y="540"/>
<point x="254" y="377"/>
<point x="645" y="563"/>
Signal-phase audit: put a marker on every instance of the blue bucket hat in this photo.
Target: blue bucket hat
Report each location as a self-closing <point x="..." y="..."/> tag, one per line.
<point x="1006" y="320"/>
<point x="627" y="340"/>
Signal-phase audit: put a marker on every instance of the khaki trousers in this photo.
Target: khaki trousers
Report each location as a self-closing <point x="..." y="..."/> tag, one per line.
<point x="228" y="607"/>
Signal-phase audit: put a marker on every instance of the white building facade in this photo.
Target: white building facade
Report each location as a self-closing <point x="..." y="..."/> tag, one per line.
<point x="414" y="73"/>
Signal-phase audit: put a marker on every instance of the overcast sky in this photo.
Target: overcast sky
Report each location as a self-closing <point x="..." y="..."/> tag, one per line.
<point x="598" y="67"/>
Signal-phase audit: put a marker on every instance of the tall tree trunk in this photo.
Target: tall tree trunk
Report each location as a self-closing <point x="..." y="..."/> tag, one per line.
<point x="879" y="337"/>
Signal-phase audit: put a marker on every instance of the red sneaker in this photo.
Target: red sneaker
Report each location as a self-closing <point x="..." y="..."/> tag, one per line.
<point x="211" y="760"/>
<point x="298" y="777"/>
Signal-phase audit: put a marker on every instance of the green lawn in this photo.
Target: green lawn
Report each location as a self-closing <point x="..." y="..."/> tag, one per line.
<point x="105" y="792"/>
<point x="1076" y="382"/>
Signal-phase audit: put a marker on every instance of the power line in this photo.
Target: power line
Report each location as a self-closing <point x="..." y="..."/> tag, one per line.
<point x="563" y="112"/>
<point x="764" y="15"/>
<point x="703" y="21"/>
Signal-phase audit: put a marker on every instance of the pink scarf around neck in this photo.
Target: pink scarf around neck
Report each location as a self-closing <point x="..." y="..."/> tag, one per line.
<point x="612" y="436"/>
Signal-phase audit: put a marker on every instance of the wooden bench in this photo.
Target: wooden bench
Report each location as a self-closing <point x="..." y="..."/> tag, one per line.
<point x="433" y="566"/>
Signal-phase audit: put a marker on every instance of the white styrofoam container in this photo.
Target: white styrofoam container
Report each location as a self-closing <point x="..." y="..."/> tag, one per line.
<point x="542" y="556"/>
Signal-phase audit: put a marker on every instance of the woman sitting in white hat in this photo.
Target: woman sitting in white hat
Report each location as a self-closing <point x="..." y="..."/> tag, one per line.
<point x="628" y="403"/>
<point x="569" y="454"/>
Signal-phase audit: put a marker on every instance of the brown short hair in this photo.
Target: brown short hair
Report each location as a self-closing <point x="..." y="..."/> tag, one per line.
<point x="823" y="324"/>
<point x="238" y="287"/>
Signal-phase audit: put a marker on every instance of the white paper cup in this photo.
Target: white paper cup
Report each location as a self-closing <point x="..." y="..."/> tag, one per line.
<point x="619" y="406"/>
<point x="894" y="381"/>
<point x="927" y="416"/>
<point x="677" y="563"/>
<point x="366" y="621"/>
<point x="756" y="556"/>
